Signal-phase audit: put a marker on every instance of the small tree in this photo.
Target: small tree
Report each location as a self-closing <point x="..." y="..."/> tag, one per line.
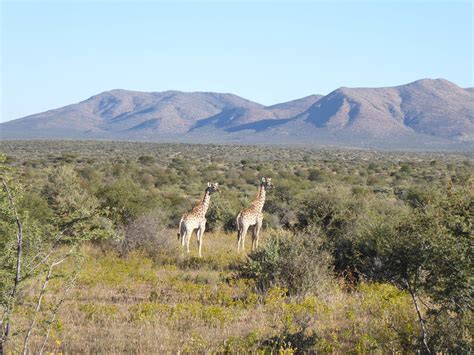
<point x="427" y="253"/>
<point x="35" y="251"/>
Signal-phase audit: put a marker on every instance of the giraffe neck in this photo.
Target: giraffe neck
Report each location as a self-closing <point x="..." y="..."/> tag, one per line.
<point x="260" y="199"/>
<point x="204" y="205"/>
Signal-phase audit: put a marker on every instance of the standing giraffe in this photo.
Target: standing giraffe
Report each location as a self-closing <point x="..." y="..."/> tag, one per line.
<point x="252" y="216"/>
<point x="196" y="219"/>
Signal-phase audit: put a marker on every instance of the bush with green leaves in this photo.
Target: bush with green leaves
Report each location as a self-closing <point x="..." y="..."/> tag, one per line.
<point x="76" y="212"/>
<point x="219" y="215"/>
<point x="426" y="249"/>
<point x="337" y="214"/>
<point x="30" y="241"/>
<point x="124" y="198"/>
<point x="297" y="263"/>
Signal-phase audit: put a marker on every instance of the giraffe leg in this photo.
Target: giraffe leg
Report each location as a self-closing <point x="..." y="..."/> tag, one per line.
<point x="239" y="236"/>
<point x="254" y="236"/>
<point x="239" y="230"/>
<point x="200" y="234"/>
<point x="243" y="232"/>
<point x="184" y="234"/>
<point x="188" y="239"/>
<point x="257" y="229"/>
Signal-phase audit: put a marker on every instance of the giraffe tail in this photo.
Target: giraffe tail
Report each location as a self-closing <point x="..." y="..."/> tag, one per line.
<point x="179" y="228"/>
<point x="237" y="222"/>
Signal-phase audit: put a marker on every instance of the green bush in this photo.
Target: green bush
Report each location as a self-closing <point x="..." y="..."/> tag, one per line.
<point x="126" y="199"/>
<point x="219" y="216"/>
<point x="297" y="263"/>
<point x="425" y="249"/>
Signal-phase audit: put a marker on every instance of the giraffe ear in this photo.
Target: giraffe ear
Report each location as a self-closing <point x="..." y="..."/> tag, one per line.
<point x="263" y="179"/>
<point x="208" y="184"/>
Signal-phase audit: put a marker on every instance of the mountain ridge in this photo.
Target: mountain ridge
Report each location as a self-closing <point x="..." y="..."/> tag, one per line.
<point x="424" y="108"/>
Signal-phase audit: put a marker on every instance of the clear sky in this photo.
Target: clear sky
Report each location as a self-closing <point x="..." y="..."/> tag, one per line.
<point x="60" y="52"/>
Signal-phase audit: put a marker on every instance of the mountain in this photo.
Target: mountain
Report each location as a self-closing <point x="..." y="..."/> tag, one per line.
<point x="427" y="112"/>
<point x="121" y="112"/>
<point x="256" y="118"/>
<point x="432" y="107"/>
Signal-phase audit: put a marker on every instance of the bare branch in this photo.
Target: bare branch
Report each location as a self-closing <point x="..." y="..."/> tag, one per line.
<point x="424" y="335"/>
<point x="31" y="269"/>
<point x="40" y="298"/>
<point x="55" y="311"/>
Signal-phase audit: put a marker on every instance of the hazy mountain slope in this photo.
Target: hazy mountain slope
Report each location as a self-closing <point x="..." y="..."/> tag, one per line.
<point x="424" y="112"/>
<point x="434" y="107"/>
<point x="270" y="116"/>
<point x="170" y="112"/>
<point x="439" y="108"/>
<point x="370" y="111"/>
<point x="238" y="118"/>
<point x="294" y="107"/>
<point x="123" y="114"/>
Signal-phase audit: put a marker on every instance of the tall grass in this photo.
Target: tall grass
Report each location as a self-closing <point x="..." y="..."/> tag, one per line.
<point x="135" y="303"/>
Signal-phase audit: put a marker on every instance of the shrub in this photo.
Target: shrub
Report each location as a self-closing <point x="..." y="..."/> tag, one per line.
<point x="148" y="234"/>
<point x="146" y="159"/>
<point x="219" y="215"/>
<point x="296" y="263"/>
<point x="289" y="343"/>
<point x="334" y="211"/>
<point x="126" y="199"/>
<point x="426" y="251"/>
<point x="316" y="175"/>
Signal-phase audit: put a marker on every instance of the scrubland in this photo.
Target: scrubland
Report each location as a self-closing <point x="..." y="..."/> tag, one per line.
<point x="132" y="304"/>
<point x="354" y="242"/>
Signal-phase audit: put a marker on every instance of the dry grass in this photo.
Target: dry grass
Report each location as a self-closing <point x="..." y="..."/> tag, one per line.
<point x="133" y="304"/>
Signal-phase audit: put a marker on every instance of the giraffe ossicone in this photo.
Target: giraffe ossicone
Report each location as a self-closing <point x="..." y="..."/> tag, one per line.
<point x="196" y="219"/>
<point x="252" y="216"/>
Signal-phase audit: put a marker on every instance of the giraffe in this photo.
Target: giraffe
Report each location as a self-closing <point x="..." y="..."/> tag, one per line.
<point x="196" y="219"/>
<point x="252" y="216"/>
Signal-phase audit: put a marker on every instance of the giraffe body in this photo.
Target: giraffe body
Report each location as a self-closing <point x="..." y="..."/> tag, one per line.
<point x="195" y="220"/>
<point x="252" y="216"/>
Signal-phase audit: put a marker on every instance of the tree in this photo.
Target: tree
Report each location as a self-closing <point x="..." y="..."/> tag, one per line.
<point x="337" y="215"/>
<point x="36" y="250"/>
<point x="427" y="252"/>
<point x="125" y="199"/>
<point x="11" y="257"/>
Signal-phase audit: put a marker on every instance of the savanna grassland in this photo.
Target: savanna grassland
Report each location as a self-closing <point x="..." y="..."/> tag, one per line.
<point x="362" y="250"/>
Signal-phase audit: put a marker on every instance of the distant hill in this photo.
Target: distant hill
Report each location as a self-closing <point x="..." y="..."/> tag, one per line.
<point x="434" y="107"/>
<point x="426" y="112"/>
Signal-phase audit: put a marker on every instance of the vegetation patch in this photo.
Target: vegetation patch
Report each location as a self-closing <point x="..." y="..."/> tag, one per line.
<point x="361" y="251"/>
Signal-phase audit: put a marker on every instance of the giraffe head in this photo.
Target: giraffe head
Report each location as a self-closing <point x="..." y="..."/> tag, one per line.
<point x="212" y="187"/>
<point x="267" y="183"/>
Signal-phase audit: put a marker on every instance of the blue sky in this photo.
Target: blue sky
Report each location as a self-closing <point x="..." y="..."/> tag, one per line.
<point x="60" y="52"/>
